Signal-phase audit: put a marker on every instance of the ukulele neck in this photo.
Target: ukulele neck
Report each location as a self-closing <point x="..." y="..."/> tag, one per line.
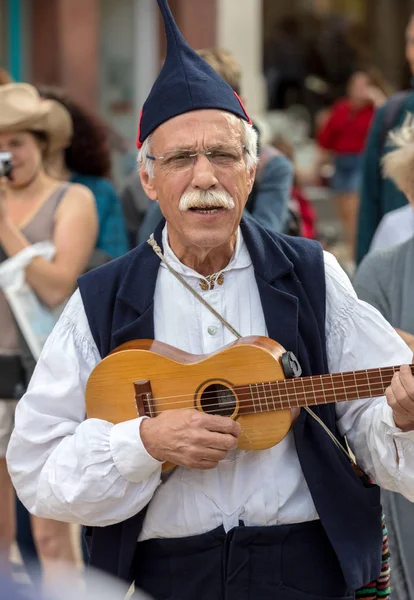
<point x="320" y="389"/>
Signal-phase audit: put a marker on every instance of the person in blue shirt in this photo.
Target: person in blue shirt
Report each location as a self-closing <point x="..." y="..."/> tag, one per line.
<point x="112" y="237"/>
<point x="88" y="161"/>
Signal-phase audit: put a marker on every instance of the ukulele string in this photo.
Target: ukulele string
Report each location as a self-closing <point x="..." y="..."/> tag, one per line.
<point x="263" y="409"/>
<point x="292" y="400"/>
<point x="261" y="395"/>
<point x="312" y="380"/>
<point x="274" y="403"/>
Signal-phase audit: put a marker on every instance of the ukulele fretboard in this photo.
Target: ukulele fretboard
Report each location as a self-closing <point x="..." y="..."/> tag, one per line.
<point x="318" y="389"/>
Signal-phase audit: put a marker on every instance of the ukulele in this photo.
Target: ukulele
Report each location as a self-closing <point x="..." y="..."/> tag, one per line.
<point x="246" y="380"/>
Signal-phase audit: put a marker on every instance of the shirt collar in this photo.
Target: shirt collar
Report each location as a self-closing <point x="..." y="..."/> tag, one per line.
<point x="240" y="259"/>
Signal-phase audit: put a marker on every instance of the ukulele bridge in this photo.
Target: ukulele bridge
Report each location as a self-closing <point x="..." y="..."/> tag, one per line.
<point x="144" y="399"/>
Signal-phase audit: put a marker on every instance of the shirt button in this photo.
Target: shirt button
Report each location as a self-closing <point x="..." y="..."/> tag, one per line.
<point x="212" y="330"/>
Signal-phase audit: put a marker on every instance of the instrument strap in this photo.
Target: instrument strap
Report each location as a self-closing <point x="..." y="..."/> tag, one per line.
<point x="156" y="248"/>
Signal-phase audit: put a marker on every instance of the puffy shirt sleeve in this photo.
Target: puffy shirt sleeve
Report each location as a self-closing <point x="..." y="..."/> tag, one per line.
<point x="67" y="467"/>
<point x="358" y="337"/>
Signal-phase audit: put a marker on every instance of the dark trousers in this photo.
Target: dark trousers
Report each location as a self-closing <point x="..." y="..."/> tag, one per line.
<point x="286" y="562"/>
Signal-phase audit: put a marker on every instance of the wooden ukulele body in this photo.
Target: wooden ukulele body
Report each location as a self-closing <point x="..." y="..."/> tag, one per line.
<point x="180" y="380"/>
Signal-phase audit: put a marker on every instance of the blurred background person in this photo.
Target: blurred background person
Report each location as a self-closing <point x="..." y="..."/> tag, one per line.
<point x="34" y="207"/>
<point x="135" y="204"/>
<point x="378" y="195"/>
<point x="385" y="279"/>
<point x="269" y="200"/>
<point x="342" y="138"/>
<point x="303" y="205"/>
<point x="87" y="160"/>
<point x="99" y="587"/>
<point x="397" y="226"/>
<point x="320" y="48"/>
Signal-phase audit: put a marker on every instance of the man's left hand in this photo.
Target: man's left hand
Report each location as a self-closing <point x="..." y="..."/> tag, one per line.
<point x="400" y="396"/>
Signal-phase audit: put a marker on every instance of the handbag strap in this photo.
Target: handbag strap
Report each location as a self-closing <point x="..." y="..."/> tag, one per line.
<point x="156" y="248"/>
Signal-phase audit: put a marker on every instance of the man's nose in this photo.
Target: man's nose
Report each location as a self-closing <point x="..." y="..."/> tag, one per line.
<point x="203" y="176"/>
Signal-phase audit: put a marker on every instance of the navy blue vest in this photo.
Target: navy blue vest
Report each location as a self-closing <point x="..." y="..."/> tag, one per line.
<point x="119" y="305"/>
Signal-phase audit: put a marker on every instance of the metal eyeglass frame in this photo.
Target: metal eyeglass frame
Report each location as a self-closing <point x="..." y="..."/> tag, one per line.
<point x="206" y="153"/>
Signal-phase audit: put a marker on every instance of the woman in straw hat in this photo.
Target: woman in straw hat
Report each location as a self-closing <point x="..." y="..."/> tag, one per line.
<point x="33" y="208"/>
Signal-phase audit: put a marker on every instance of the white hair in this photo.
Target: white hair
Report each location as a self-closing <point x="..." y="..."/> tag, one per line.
<point x="250" y="139"/>
<point x="205" y="199"/>
<point x="398" y="164"/>
<point x="145" y="163"/>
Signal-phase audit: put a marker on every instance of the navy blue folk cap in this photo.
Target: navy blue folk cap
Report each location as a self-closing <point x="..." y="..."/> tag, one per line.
<point x="186" y="82"/>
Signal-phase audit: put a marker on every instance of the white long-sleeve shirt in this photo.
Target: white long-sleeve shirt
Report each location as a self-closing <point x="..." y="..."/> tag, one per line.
<point x="95" y="473"/>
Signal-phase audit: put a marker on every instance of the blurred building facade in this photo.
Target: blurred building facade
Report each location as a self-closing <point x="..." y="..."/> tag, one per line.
<point x="107" y="53"/>
<point x="329" y="38"/>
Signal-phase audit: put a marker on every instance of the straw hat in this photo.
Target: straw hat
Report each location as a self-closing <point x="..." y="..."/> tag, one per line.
<point x="22" y="109"/>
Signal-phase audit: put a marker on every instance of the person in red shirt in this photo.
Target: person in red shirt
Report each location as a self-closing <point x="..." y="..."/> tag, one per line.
<point x="343" y="137"/>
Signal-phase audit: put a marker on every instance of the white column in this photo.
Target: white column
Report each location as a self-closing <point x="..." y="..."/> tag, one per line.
<point x="239" y="30"/>
<point x="146" y="51"/>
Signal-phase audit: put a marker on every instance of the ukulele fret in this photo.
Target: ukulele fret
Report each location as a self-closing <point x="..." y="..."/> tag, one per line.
<point x="266" y="395"/>
<point x="258" y="398"/>
<point x="252" y="397"/>
<point x="368" y="383"/>
<point x="382" y="381"/>
<point x="305" y="392"/>
<point x="313" y="390"/>
<point x="282" y="394"/>
<point x="273" y="398"/>
<point x="322" y="389"/>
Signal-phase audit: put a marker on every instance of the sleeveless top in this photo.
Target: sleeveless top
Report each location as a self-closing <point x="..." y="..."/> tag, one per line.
<point x="39" y="229"/>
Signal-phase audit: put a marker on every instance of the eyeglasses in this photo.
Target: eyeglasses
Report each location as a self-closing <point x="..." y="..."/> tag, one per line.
<point x="221" y="156"/>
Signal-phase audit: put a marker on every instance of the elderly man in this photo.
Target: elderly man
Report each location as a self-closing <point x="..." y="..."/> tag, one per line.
<point x="291" y="522"/>
<point x="269" y="201"/>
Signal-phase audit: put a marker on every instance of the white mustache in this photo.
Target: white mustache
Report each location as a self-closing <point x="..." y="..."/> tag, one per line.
<point x="204" y="199"/>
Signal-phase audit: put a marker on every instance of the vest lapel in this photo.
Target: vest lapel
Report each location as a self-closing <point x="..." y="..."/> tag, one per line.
<point x="272" y="268"/>
<point x="137" y="293"/>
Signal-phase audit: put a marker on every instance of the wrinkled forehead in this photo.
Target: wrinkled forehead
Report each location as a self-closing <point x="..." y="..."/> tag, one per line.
<point x="198" y="129"/>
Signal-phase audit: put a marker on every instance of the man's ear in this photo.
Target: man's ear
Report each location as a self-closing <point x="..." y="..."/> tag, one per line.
<point x="148" y="185"/>
<point x="252" y="176"/>
<point x="410" y="196"/>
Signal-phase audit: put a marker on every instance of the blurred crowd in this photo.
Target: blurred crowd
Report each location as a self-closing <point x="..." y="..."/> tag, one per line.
<point x="61" y="189"/>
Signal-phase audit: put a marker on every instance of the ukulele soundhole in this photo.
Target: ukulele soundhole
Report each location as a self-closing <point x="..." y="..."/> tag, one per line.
<point x="218" y="399"/>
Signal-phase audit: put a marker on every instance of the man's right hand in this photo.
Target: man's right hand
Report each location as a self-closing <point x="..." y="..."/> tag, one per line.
<point x="189" y="438"/>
